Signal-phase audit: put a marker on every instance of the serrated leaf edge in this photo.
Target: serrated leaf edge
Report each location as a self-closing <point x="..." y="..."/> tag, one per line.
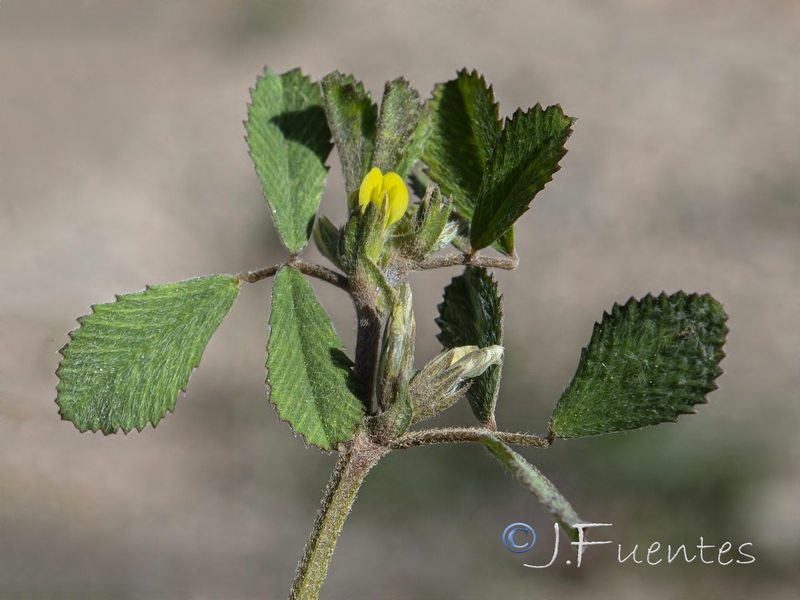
<point x="616" y="308"/>
<point x="180" y="393"/>
<point x="296" y="433"/>
<point x="492" y="157"/>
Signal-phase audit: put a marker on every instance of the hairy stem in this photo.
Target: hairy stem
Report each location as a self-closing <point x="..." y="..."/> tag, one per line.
<point x="320" y="272"/>
<point x="346" y="479"/>
<point x="455" y="435"/>
<point x="259" y="274"/>
<point x="310" y="269"/>
<point x="452" y="260"/>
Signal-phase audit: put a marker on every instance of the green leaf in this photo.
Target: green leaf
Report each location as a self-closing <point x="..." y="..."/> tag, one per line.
<point x="311" y="381"/>
<point x="127" y="361"/>
<point x="537" y="484"/>
<point x="395" y="149"/>
<point x="463" y="126"/>
<point x="472" y="315"/>
<point x="352" y="117"/>
<point x="289" y="143"/>
<point x="647" y="362"/>
<point x="523" y="161"/>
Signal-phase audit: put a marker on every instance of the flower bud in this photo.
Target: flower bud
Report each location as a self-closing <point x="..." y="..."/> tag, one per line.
<point x="397" y="352"/>
<point x="439" y="384"/>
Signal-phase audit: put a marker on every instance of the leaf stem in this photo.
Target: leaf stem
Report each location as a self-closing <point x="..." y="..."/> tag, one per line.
<point x="307" y="268"/>
<point x="342" y="281"/>
<point x="452" y="260"/>
<point x="348" y="475"/>
<point x="454" y="435"/>
<point x="259" y="274"/>
<point x="320" y="272"/>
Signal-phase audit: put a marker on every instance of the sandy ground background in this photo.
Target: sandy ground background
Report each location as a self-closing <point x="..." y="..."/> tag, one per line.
<point x="123" y="163"/>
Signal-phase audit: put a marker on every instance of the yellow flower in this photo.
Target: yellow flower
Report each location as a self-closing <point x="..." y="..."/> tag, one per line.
<point x="376" y="187"/>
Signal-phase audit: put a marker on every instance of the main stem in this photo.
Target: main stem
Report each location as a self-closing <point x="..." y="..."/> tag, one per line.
<point x="368" y="342"/>
<point x="348" y="475"/>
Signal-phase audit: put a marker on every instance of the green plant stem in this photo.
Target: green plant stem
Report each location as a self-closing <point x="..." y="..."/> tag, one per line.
<point x="454" y="435"/>
<point x="348" y="475"/>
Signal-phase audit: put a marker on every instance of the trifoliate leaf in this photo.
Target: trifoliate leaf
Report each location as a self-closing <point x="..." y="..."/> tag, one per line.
<point x="463" y="126"/>
<point x="352" y="117"/>
<point x="523" y="161"/>
<point x="127" y="361"/>
<point x="472" y="315"/>
<point x="647" y="362"/>
<point x="311" y="381"/>
<point x="289" y="143"/>
<point x="537" y="484"/>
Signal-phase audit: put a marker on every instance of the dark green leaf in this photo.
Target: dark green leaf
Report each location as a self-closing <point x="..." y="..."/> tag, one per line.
<point x="647" y="362"/>
<point x="127" y="361"/>
<point x="472" y="315"/>
<point x="352" y="117"/>
<point x="395" y="149"/>
<point x="311" y="381"/>
<point x="523" y="161"/>
<point x="289" y="143"/>
<point x="463" y="128"/>
<point x="537" y="484"/>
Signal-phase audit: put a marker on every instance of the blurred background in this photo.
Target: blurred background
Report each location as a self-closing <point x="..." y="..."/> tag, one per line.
<point x="123" y="163"/>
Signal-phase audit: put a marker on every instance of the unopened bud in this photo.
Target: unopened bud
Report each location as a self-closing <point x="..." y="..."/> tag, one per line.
<point x="439" y="385"/>
<point x="397" y="350"/>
